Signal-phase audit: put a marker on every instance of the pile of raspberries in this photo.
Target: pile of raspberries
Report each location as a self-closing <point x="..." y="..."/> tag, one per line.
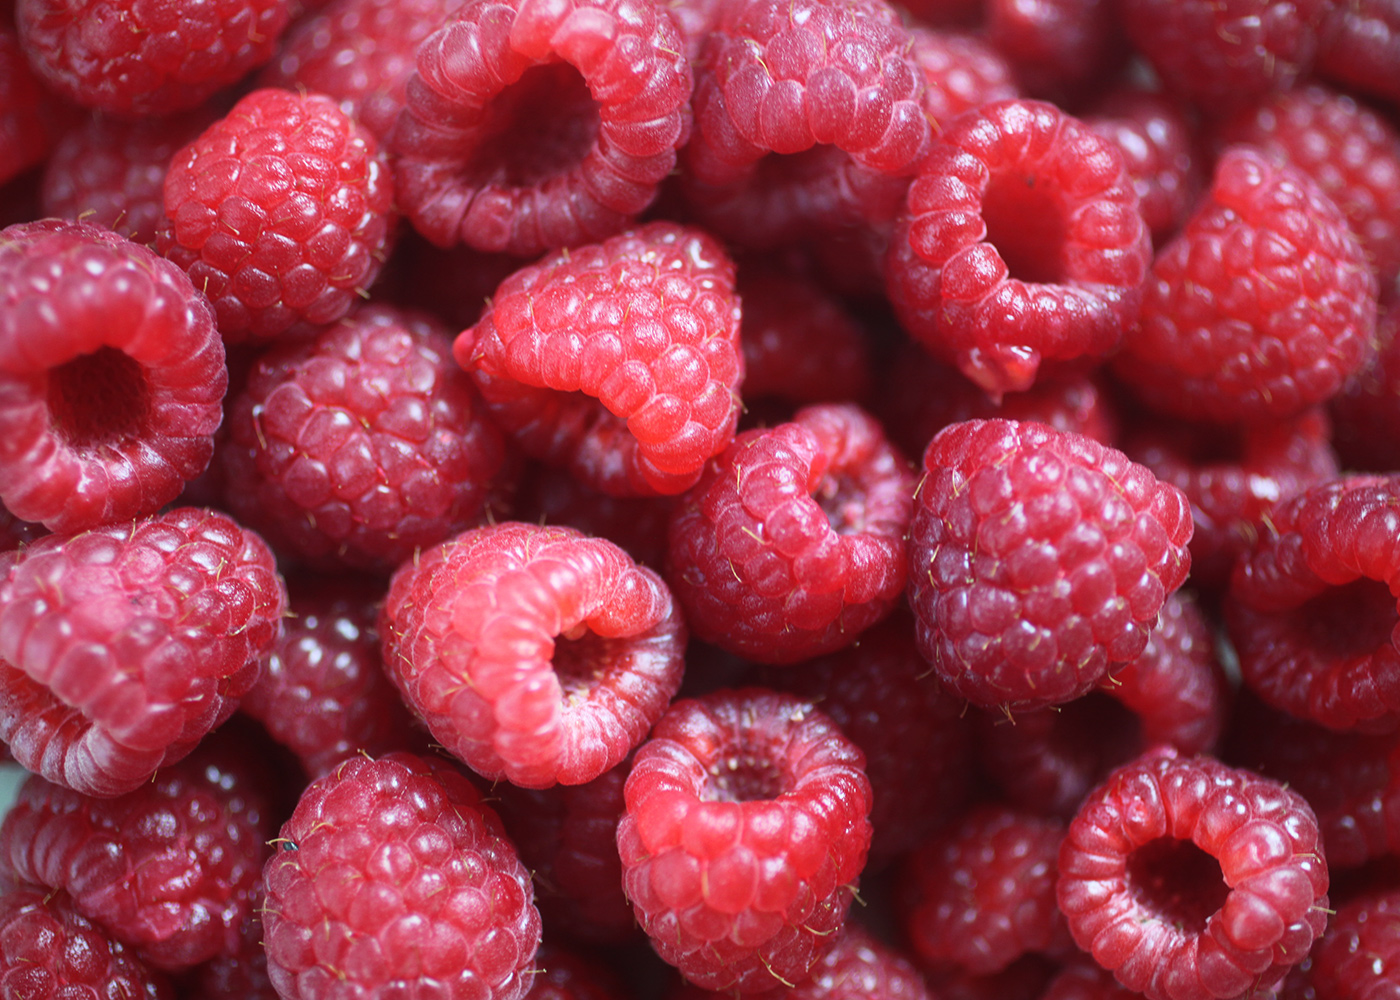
<point x="700" y="499"/>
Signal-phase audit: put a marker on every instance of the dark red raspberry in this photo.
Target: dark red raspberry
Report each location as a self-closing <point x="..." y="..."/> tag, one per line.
<point x="28" y="127"/>
<point x="147" y="57"/>
<point x="1359" y="956"/>
<point x="1190" y="880"/>
<point x="280" y="212"/>
<point x="394" y="876"/>
<point x="1263" y="306"/>
<point x="1224" y="52"/>
<point x="363" y="445"/>
<point x="792" y="543"/>
<point x="323" y="692"/>
<point x="746" y="829"/>
<point x="533" y="127"/>
<point x="1366" y="413"/>
<point x="241" y="975"/>
<point x="960" y="71"/>
<point x="111" y="377"/>
<point x="121" y="647"/>
<point x="1349" y="151"/>
<point x="168" y="869"/>
<point x="1360" y="46"/>
<point x="1038" y="561"/>
<point x="570" y="975"/>
<point x="48" y="949"/>
<point x="1234" y="476"/>
<point x="631" y="384"/>
<point x="1085" y="980"/>
<point x="1310" y="608"/>
<point x="455" y="284"/>
<point x="1021" y="241"/>
<point x="534" y="654"/>
<point x="548" y="495"/>
<point x="1058" y="48"/>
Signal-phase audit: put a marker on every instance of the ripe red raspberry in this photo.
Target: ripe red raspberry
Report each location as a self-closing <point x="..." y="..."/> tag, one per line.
<point x="745" y="831"/>
<point x="168" y="869"/>
<point x="552" y="496"/>
<point x="535" y="126"/>
<point x="29" y="115"/>
<point x="1311" y="610"/>
<point x="1359" y="46"/>
<point x="394" y="876"/>
<point x="141" y="58"/>
<point x="1021" y="242"/>
<point x="631" y="384"/>
<point x="534" y="654"/>
<point x="280" y="212"/>
<point x="1366" y="413"/>
<point x="1038" y="561"/>
<point x="121" y="647"/>
<point x="1027" y="978"/>
<point x="1085" y="980"/>
<point x="1263" y="306"/>
<point x="983" y="894"/>
<point x="960" y="71"/>
<point x="48" y="949"/>
<point x="111" y="377"/>
<point x="241" y="975"/>
<point x="1058" y="48"/>
<point x="1190" y="880"/>
<point x="364" y="444"/>
<point x="792" y="543"/>
<point x="1359" y="956"/>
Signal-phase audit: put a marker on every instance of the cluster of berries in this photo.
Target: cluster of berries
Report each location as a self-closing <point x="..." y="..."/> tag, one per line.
<point x="563" y="498"/>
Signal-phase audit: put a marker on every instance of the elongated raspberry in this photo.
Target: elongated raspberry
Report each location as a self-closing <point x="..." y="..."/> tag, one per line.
<point x="1359" y="956"/>
<point x="1038" y="560"/>
<point x="631" y="384"/>
<point x="1021" y="241"/>
<point x="1190" y="880"/>
<point x="792" y="543"/>
<point x="1311" y="608"/>
<point x="744" y="834"/>
<point x="530" y="126"/>
<point x="536" y="654"/>
<point x="111" y="377"/>
<point x="121" y="647"/>
<point x="394" y="876"/>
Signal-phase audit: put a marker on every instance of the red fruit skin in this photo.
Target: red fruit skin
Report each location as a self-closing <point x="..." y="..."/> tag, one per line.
<point x="960" y="71"/>
<point x="1084" y="980"/>
<point x="1359" y="47"/>
<point x="28" y="128"/>
<point x="111" y="377"/>
<point x="1058" y="48"/>
<point x="535" y="654"/>
<point x="548" y="495"/>
<point x="121" y="647"/>
<point x="571" y="975"/>
<point x="1359" y="956"/>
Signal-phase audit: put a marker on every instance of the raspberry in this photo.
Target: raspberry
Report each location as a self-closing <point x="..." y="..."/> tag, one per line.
<point x="1310" y="608"/>
<point x="1027" y="978"/>
<point x="631" y="384"/>
<point x="744" y="834"/>
<point x="1260" y="308"/>
<point x="792" y="543"/>
<point x="1058" y="48"/>
<point x="534" y="654"/>
<point x="27" y="111"/>
<point x="363" y="445"/>
<point x="280" y="212"/>
<point x="1086" y="981"/>
<point x="1038" y="561"/>
<point x="638" y="524"/>
<point x="530" y="127"/>
<point x="121" y="647"/>
<point x="1021" y="241"/>
<point x="241" y="975"/>
<point x="137" y="58"/>
<point x="48" y="949"/>
<point x="168" y="869"/>
<point x="1359" y="956"/>
<point x="1190" y="880"/>
<point x="1360" y="46"/>
<point x="455" y="284"/>
<point x="1366" y="413"/>
<point x="569" y="975"/>
<point x="960" y="71"/>
<point x="393" y="877"/>
<point x="111" y="377"/>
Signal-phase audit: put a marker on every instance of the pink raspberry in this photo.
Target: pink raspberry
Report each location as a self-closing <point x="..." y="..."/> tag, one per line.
<point x="631" y="384"/>
<point x="1263" y="306"/>
<point x="792" y="543"/>
<point x="121" y="647"/>
<point x="534" y="654"/>
<point x="960" y="71"/>
<point x="1366" y="413"/>
<point x="111" y="377"/>
<point x="532" y="126"/>
<point x="1021" y="241"/>
<point x="280" y="212"/>
<point x="1038" y="561"/>
<point x="1359" y="46"/>
<point x="394" y="876"/>
<point x="364" y="444"/>
<point x="745" y="831"/>
<point x="141" y="58"/>
<point x="1359" y="956"/>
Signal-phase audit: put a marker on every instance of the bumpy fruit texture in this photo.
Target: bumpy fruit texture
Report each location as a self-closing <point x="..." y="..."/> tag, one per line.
<point x="960" y="71"/>
<point x="1360" y="47"/>
<point x="1359" y="956"/>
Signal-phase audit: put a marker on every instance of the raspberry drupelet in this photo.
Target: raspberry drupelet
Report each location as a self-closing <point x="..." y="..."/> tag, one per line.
<point x="111" y="377"/>
<point x="534" y="654"/>
<point x="280" y="212"/>
<point x="394" y="878"/>
<point x="746" y="828"/>
<point x="619" y="360"/>
<point x="1021" y="241"/>
<point x="532" y="126"/>
<point x="1359" y="956"/>
<point x="1038" y="561"/>
<point x="122" y="647"/>
<point x="960" y="72"/>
